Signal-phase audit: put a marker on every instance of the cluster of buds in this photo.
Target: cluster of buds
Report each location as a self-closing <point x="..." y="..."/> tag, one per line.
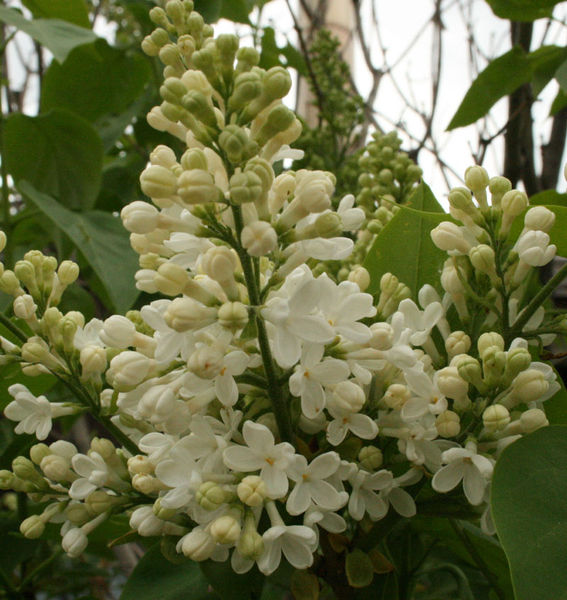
<point x="257" y="400"/>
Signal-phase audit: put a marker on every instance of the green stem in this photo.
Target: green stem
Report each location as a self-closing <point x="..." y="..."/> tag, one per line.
<point x="279" y="405"/>
<point x="536" y="302"/>
<point x="4" y="320"/>
<point x="471" y="549"/>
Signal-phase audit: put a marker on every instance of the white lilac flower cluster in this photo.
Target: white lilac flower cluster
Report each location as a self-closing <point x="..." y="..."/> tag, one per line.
<point x="254" y="404"/>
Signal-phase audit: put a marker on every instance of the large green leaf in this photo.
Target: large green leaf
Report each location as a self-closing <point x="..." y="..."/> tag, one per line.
<point x="546" y="60"/>
<point x="101" y="239"/>
<point x="236" y="11"/>
<point x="422" y="198"/>
<point x="95" y="81"/>
<point x="522" y="10"/>
<point x="209" y="9"/>
<point x="529" y="506"/>
<point x="59" y="37"/>
<point x="404" y="248"/>
<point x="59" y="153"/>
<point x="72" y="11"/>
<point x="231" y="586"/>
<point x="556" y="406"/>
<point x="557" y="233"/>
<point x="549" y="197"/>
<point x="156" y="577"/>
<point x="501" y="77"/>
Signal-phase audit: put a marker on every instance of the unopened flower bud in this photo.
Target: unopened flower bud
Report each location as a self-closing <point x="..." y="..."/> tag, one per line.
<point x="197" y="187"/>
<point x="382" y="336"/>
<point x="93" y="360"/>
<point x="99" y="502"/>
<point x="469" y="369"/>
<point x="518" y="359"/>
<point x="236" y="143"/>
<point x="74" y="542"/>
<point x="360" y="276"/>
<point x="498" y="186"/>
<point x="259" y="238"/>
<point x="247" y="86"/>
<point x="198" y="545"/>
<point x="56" y="468"/>
<point x="448" y="424"/>
<point x="495" y="417"/>
<point x="128" y="369"/>
<point x="170" y="279"/>
<point x="457" y="342"/>
<point x="140" y="464"/>
<point x="488" y="340"/>
<point x="225" y="529"/>
<point x="32" y="527"/>
<point x="245" y="187"/>
<point x="370" y="458"/>
<point x="233" y="315"/>
<point x="210" y="495"/>
<point x="158" y="182"/>
<point x="185" y="314"/>
<point x="139" y="217"/>
<point x="24" y="307"/>
<point x="451" y="384"/>
<point x="483" y="259"/>
<point x="347" y="396"/>
<point x="38" y="452"/>
<point x="396" y="396"/>
<point x="533" y="419"/>
<point x="529" y="386"/>
<point x="539" y="218"/>
<point x="449" y="237"/>
<point x="206" y="362"/>
<point x="252" y="490"/>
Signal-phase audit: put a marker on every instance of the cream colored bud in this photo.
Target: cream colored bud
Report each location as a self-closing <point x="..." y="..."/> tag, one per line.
<point x="139" y="217"/>
<point x="161" y="512"/>
<point x="539" y="218"/>
<point x="170" y="279"/>
<point x="483" y="259"/>
<point x="514" y="203"/>
<point x="476" y="178"/>
<point x="118" y="332"/>
<point x="197" y="187"/>
<point x="361" y="277"/>
<point x="3" y="240"/>
<point x="74" y="542"/>
<point x="56" y="468"/>
<point x="449" y="237"/>
<point x="233" y="315"/>
<point x="259" y="238"/>
<point x="68" y="272"/>
<point x="146" y="484"/>
<point x="370" y="458"/>
<point x="158" y="182"/>
<point x="382" y="336"/>
<point x="448" y="424"/>
<point x="24" y="307"/>
<point x="348" y="396"/>
<point x="104" y="447"/>
<point x="198" y="545"/>
<point x="495" y="417"/>
<point x="457" y="342"/>
<point x="529" y="386"/>
<point x="9" y="283"/>
<point x="250" y="545"/>
<point x="77" y="513"/>
<point x="140" y="464"/>
<point x="498" y="186"/>
<point x="396" y="396"/>
<point x="518" y="359"/>
<point x="220" y="263"/>
<point x="38" y="452"/>
<point x="128" y="369"/>
<point x="25" y="469"/>
<point x="252" y="490"/>
<point x="533" y="419"/>
<point x="451" y="384"/>
<point x="225" y="530"/>
<point x="99" y="502"/>
<point x="489" y="340"/>
<point x="93" y="360"/>
<point x="469" y="369"/>
<point x="145" y="522"/>
<point x="32" y="527"/>
<point x="185" y="314"/>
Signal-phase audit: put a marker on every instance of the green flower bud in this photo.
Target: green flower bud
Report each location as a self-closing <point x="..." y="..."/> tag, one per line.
<point x="186" y="45"/>
<point x="226" y="529"/>
<point x="196" y="103"/>
<point x="32" y="527"/>
<point x="195" y="24"/>
<point x="170" y="56"/>
<point x="252" y="490"/>
<point x="277" y="83"/>
<point x="38" y="452"/>
<point x="518" y="360"/>
<point x="483" y="259"/>
<point x="175" y="11"/>
<point x="476" y="178"/>
<point x="160" y="37"/>
<point x="172" y="90"/>
<point x="498" y="186"/>
<point x="487" y="340"/>
<point x="495" y="417"/>
<point x="194" y="158"/>
<point x="247" y="86"/>
<point x="448" y="424"/>
<point x="149" y="47"/>
<point x="279" y="119"/>
<point x="68" y="272"/>
<point x="469" y="370"/>
<point x="245" y="187"/>
<point x="23" y="468"/>
<point x="158" y="16"/>
<point x="158" y="182"/>
<point x="328" y="225"/>
<point x="236" y="144"/>
<point x="247" y="58"/>
<point x="370" y="458"/>
<point x="204" y="60"/>
<point x="161" y="512"/>
<point x="197" y="187"/>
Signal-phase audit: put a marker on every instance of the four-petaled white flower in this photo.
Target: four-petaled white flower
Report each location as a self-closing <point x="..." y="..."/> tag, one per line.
<point x="261" y="453"/>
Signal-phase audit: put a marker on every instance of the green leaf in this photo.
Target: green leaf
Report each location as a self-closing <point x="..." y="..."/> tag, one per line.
<point x="561" y="75"/>
<point x="156" y="577"/>
<point x="101" y="239"/>
<point x="557" y="233"/>
<point x="270" y="53"/>
<point x="59" y="37"/>
<point x="209" y="9"/>
<point x="545" y="62"/>
<point x="95" y="81"/>
<point x="228" y="584"/>
<point x="236" y="11"/>
<point x="59" y="153"/>
<point x="522" y="10"/>
<point x="359" y="570"/>
<point x="559" y="102"/>
<point x="72" y="11"/>
<point x="422" y="198"/>
<point x="501" y="77"/>
<point x="549" y="197"/>
<point x="529" y="489"/>
<point x="404" y="248"/>
<point x="556" y="406"/>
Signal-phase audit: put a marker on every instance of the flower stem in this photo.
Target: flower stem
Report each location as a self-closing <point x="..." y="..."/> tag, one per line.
<point x="279" y="405"/>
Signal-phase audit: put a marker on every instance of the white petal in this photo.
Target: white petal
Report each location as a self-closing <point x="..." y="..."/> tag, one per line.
<point x="448" y="477"/>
